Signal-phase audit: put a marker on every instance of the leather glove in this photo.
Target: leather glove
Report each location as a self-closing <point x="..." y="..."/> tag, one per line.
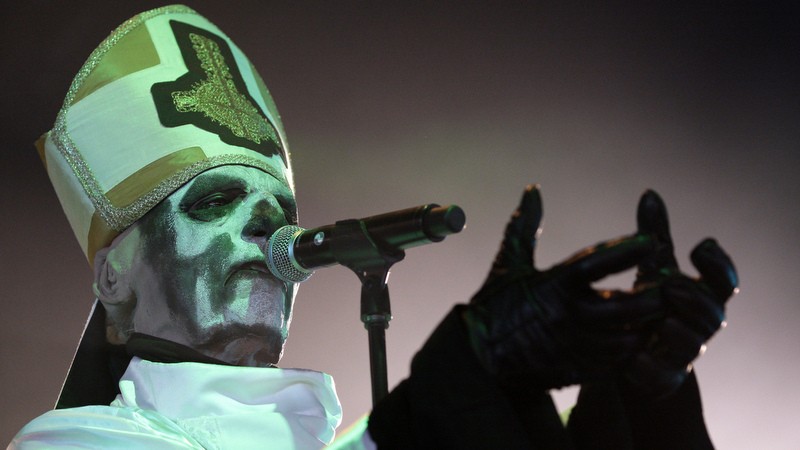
<point x="693" y="307"/>
<point x="551" y="328"/>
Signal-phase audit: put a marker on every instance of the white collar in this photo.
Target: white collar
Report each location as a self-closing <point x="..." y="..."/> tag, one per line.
<point x="236" y="407"/>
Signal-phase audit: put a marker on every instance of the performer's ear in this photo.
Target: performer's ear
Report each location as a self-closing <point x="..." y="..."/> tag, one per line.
<point x="112" y="287"/>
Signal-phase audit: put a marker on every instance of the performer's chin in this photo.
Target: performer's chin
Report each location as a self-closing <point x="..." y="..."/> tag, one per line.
<point x="256" y="346"/>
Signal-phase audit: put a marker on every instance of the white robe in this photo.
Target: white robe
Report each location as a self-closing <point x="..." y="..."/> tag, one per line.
<point x="195" y="405"/>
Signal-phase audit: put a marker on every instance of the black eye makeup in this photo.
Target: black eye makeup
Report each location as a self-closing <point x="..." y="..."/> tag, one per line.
<point x="289" y="208"/>
<point x="213" y="205"/>
<point x="213" y="195"/>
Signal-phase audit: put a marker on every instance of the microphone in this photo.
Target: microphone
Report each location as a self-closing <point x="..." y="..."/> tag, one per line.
<point x="293" y="253"/>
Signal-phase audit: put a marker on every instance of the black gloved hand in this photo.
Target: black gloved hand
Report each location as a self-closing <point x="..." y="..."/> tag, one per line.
<point x="694" y="308"/>
<point x="551" y="328"/>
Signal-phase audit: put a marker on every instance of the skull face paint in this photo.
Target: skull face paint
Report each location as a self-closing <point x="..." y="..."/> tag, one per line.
<point x="200" y="277"/>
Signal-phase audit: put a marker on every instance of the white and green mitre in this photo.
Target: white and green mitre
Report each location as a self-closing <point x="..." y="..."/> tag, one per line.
<point x="166" y="96"/>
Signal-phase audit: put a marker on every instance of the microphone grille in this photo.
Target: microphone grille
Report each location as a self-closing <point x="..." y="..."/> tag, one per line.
<point x="280" y="257"/>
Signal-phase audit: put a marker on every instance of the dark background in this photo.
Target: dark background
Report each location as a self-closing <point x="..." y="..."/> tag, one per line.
<point x="394" y="105"/>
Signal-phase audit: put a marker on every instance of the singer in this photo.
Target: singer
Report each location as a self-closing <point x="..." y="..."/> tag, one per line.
<point x="171" y="163"/>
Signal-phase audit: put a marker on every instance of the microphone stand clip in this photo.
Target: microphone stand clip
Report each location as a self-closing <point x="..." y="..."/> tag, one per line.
<point x="355" y="249"/>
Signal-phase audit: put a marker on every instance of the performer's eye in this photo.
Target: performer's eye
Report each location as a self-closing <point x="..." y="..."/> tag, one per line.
<point x="214" y="200"/>
<point x="214" y="205"/>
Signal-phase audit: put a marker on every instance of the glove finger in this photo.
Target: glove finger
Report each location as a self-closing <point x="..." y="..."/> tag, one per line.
<point x="609" y="347"/>
<point x="676" y="344"/>
<point x="694" y="304"/>
<point x="649" y="376"/>
<point x="606" y="258"/>
<point x="652" y="219"/>
<point x="716" y="269"/>
<point x="521" y="232"/>
<point x="619" y="309"/>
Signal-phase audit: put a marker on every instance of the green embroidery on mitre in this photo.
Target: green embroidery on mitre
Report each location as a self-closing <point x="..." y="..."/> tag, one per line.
<point x="217" y="98"/>
<point x="213" y="96"/>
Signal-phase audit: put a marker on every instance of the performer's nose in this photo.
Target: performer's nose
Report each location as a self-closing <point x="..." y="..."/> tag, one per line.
<point x="266" y="216"/>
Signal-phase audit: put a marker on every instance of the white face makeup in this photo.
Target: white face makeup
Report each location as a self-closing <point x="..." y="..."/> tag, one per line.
<point x="199" y="275"/>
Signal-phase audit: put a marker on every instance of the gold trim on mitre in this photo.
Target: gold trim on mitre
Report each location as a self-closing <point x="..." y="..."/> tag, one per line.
<point x="131" y="53"/>
<point x="149" y="177"/>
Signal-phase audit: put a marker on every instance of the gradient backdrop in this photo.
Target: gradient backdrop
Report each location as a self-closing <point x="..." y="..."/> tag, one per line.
<point x="394" y="105"/>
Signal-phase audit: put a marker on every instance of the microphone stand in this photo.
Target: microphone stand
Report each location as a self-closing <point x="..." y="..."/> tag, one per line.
<point x="355" y="249"/>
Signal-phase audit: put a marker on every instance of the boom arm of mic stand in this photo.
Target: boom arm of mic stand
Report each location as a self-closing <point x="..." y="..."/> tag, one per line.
<point x="355" y="249"/>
